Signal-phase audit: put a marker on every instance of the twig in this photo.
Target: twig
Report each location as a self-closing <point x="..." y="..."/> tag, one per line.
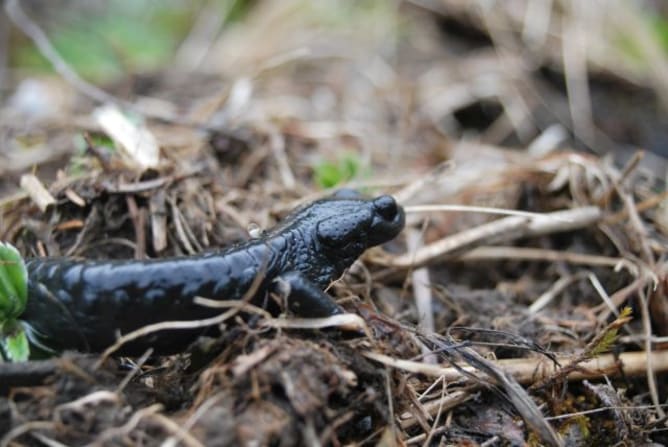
<point x="390" y="401"/>
<point x="179" y="226"/>
<point x="651" y="366"/>
<point x="25" y="428"/>
<point x="34" y="372"/>
<point x="628" y="168"/>
<point x="130" y="425"/>
<point x="632" y="364"/>
<point x="437" y="419"/>
<point x="460" y="241"/>
<point x="564" y="282"/>
<point x="505" y="229"/>
<point x="560" y="285"/>
<point x="419" y="183"/>
<point x="601" y="342"/>
<point x="207" y="26"/>
<point x="445" y="403"/>
<point x="516" y="395"/>
<point x="600" y="410"/>
<point x="574" y="52"/>
<point x="472" y="209"/>
<point x="37" y="192"/>
<point x="646" y="204"/>
<point x="175" y="430"/>
<point x="26" y="373"/>
<point x="80" y="405"/>
<point x="539" y="254"/>
<point x="421" y="290"/>
<point x="236" y="306"/>
<point x="345" y="321"/>
<point x="135" y="370"/>
<point x="192" y="420"/>
<point x="48" y="442"/>
<point x="158" y="215"/>
<point x="277" y="146"/>
<point x="596" y="283"/>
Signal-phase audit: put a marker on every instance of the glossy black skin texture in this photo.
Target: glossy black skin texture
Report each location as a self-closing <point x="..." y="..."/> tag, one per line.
<point x="85" y="305"/>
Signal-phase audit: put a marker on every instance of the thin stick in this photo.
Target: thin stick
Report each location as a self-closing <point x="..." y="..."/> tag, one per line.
<point x="422" y="287"/>
<point x="344" y="321"/>
<point x="477" y="209"/>
<point x="92" y="398"/>
<point x="574" y="54"/>
<point x="632" y="364"/>
<point x="538" y="254"/>
<point x="651" y="367"/>
<point x="630" y="166"/>
<point x="192" y="420"/>
<point x="508" y="228"/>
<point x="25" y="428"/>
<point x="443" y="247"/>
<point x="37" y="192"/>
<point x="137" y="368"/>
<point x="176" y="430"/>
<point x="559" y="286"/>
<point x="236" y="306"/>
<point x="646" y="204"/>
<point x="447" y="402"/>
<point x="130" y="425"/>
<point x="437" y="419"/>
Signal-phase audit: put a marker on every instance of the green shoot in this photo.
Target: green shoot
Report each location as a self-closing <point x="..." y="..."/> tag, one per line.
<point x="14" y="342"/>
<point x="13" y="298"/>
<point x="329" y="174"/>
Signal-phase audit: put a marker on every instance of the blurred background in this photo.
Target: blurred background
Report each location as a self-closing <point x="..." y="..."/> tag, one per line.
<point x="388" y="81"/>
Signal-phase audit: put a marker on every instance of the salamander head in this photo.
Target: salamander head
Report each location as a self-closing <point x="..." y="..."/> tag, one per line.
<point x="346" y="221"/>
<point x="322" y="239"/>
<point x="341" y="227"/>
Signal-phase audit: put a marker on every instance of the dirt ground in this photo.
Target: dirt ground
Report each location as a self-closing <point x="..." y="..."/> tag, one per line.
<point x="525" y="303"/>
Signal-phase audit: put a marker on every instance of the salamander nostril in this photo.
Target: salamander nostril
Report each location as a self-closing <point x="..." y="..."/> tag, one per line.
<point x="386" y="206"/>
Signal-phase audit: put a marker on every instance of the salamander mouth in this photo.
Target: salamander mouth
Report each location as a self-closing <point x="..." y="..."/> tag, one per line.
<point x="388" y="220"/>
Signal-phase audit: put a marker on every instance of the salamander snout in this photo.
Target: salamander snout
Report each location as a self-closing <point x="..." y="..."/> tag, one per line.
<point x="388" y="220"/>
<point x="386" y="206"/>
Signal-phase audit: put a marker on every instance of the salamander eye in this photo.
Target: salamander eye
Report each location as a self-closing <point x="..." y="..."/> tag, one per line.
<point x="386" y="206"/>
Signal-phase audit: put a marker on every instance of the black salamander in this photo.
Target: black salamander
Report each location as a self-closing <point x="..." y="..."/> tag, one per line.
<point x="84" y="305"/>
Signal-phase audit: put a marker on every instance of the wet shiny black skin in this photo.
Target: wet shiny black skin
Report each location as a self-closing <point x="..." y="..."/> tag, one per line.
<point x="84" y="305"/>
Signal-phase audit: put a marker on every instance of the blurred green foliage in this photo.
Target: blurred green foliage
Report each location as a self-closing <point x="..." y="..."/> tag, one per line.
<point x="13" y="299"/>
<point x="660" y="28"/>
<point x="629" y="44"/>
<point x="110" y="39"/>
<point x="348" y="166"/>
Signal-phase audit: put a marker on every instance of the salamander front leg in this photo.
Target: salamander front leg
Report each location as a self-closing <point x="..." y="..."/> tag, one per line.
<point x="304" y="298"/>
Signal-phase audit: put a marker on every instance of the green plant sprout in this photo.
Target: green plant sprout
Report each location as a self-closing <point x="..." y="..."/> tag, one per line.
<point x="13" y="297"/>
<point x="328" y="174"/>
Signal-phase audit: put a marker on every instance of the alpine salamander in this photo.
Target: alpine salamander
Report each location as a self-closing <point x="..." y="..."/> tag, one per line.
<point x="85" y="305"/>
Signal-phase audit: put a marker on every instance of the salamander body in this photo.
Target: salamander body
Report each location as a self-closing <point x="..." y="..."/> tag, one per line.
<point x="85" y="305"/>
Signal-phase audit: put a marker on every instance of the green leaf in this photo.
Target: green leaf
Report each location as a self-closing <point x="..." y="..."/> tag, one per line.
<point x="13" y="283"/>
<point x="14" y="342"/>
<point x="103" y="44"/>
<point x="329" y="174"/>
